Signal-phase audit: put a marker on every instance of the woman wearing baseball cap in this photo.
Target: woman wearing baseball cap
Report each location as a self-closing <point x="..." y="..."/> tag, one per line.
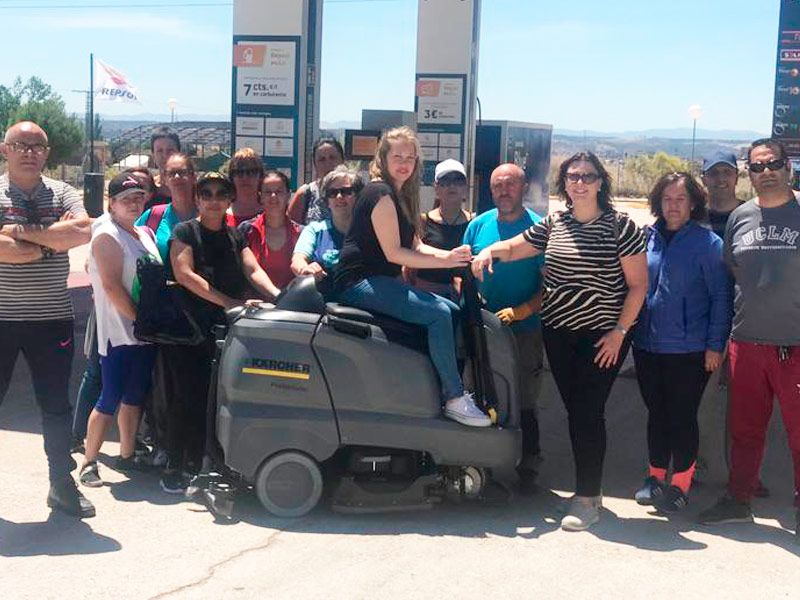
<point x="212" y="262"/>
<point x="126" y="364"/>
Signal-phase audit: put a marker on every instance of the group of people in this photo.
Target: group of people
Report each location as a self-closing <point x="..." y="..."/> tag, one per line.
<point x="707" y="287"/>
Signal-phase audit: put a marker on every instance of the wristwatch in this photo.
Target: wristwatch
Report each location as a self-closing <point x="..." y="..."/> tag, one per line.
<point x="621" y="329"/>
<point x="47" y="251"/>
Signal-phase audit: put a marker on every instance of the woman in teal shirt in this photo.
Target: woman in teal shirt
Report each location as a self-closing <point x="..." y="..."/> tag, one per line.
<point x="317" y="250"/>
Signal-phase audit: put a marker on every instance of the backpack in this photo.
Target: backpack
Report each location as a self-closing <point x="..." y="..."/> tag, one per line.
<point x="162" y="314"/>
<point x="155" y="217"/>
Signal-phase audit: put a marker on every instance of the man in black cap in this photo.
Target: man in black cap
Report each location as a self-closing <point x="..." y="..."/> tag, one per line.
<point x="41" y="220"/>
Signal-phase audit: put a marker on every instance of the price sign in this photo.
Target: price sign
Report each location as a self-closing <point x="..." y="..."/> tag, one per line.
<point x="440" y="100"/>
<point x="265" y="73"/>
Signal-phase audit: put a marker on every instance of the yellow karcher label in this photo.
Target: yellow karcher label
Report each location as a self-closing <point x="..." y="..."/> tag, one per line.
<point x="274" y="373"/>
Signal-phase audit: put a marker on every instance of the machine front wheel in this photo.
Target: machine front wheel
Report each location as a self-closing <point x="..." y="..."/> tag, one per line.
<point x="289" y="484"/>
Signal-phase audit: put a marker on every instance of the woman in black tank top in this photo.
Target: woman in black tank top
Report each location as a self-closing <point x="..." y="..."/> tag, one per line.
<point x="382" y="239"/>
<point x="444" y="226"/>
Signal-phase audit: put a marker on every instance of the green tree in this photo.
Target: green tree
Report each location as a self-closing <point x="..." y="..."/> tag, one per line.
<point x="35" y="100"/>
<point x="9" y="102"/>
<point x="640" y="173"/>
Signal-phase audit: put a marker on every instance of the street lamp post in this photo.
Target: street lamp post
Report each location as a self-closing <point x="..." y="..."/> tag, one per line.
<point x="695" y="112"/>
<point x="172" y="103"/>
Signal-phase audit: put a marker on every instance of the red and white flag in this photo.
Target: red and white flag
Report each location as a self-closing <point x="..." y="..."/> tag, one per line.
<point x="110" y="84"/>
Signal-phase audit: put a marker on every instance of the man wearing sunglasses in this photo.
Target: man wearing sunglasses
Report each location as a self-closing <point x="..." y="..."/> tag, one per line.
<point x="513" y="291"/>
<point x="41" y="220"/>
<point x="762" y="249"/>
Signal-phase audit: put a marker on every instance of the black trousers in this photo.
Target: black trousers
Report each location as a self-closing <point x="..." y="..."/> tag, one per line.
<point x="48" y="347"/>
<point x="584" y="389"/>
<point x="672" y="386"/>
<point x="183" y="376"/>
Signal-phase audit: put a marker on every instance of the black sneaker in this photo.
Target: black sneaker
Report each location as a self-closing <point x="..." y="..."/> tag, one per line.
<point x="141" y="449"/>
<point x="650" y="492"/>
<point x="173" y="482"/>
<point x="672" y="500"/>
<point x="66" y="497"/>
<point x="90" y="476"/>
<point x="129" y="463"/>
<point x="77" y="447"/>
<point x="726" y="510"/>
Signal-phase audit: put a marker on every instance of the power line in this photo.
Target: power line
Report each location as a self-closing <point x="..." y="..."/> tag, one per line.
<point x="126" y="6"/>
<point x="159" y="5"/>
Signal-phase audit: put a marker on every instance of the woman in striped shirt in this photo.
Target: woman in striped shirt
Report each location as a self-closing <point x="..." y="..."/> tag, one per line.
<point x="594" y="284"/>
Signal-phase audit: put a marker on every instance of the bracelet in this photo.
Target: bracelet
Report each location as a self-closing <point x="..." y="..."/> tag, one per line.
<point x="621" y="329"/>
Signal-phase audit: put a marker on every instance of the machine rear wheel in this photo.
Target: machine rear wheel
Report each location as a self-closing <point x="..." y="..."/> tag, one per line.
<point x="289" y="484"/>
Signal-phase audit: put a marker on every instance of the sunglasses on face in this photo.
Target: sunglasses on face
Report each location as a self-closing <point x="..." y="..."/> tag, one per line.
<point x="245" y="172"/>
<point x="772" y="165"/>
<point x="450" y="180"/>
<point x="207" y="194"/>
<point x="23" y="148"/>
<point x="344" y="191"/>
<point x="178" y="173"/>
<point x="587" y="178"/>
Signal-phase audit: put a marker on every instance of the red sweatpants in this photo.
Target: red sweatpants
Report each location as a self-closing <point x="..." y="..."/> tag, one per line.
<point x="757" y="375"/>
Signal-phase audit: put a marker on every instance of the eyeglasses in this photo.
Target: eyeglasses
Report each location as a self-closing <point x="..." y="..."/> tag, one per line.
<point x="207" y="194"/>
<point x="344" y="191"/>
<point x="179" y="173"/>
<point x="587" y="178"/>
<point x="245" y="172"/>
<point x="23" y="148"/>
<point x="452" y="179"/>
<point x="772" y="165"/>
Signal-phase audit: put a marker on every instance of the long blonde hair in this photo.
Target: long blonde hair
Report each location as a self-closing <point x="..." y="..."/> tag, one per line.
<point x="408" y="195"/>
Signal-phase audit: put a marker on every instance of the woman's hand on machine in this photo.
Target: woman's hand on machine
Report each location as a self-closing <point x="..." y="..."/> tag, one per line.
<point x="481" y="261"/>
<point x="460" y="256"/>
<point x="314" y="269"/>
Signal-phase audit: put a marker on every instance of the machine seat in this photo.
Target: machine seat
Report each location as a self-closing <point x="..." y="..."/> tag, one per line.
<point x="396" y="331"/>
<point x="348" y="312"/>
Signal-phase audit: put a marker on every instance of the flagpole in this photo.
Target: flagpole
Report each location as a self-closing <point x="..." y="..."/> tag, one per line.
<point x="91" y="112"/>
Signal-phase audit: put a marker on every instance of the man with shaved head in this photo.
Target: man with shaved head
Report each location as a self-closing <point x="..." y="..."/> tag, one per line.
<point x="513" y="292"/>
<point x="40" y="219"/>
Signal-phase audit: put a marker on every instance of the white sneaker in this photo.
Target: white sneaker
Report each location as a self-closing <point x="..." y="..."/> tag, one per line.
<point x="463" y="410"/>
<point x="584" y="511"/>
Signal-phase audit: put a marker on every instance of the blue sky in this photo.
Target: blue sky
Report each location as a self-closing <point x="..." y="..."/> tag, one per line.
<point x="584" y="64"/>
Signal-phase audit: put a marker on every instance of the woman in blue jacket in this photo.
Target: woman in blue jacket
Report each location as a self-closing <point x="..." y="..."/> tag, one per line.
<point x="681" y="333"/>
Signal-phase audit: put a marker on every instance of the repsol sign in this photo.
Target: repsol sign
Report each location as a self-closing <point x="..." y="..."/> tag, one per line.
<point x="116" y="93"/>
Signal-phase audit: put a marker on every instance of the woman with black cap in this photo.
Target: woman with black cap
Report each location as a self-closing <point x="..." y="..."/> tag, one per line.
<point x="213" y="263"/>
<point x="126" y="364"/>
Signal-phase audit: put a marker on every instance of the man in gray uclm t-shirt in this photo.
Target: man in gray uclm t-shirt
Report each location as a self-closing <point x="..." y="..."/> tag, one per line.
<point x="762" y="249"/>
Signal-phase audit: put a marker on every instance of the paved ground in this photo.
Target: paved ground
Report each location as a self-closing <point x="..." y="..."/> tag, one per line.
<point x="145" y="544"/>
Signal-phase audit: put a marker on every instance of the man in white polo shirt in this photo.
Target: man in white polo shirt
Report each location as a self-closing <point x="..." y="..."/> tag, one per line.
<point x="40" y="219"/>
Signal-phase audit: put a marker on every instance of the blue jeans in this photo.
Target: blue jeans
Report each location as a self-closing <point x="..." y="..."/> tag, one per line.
<point x="395" y="298"/>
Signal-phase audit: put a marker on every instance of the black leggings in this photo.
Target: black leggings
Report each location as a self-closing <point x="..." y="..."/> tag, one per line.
<point x="184" y="376"/>
<point x="48" y="347"/>
<point x="672" y="386"/>
<point x="584" y="389"/>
